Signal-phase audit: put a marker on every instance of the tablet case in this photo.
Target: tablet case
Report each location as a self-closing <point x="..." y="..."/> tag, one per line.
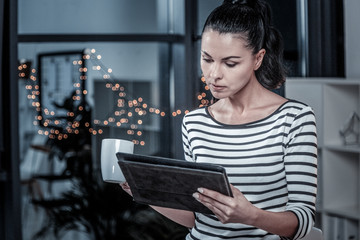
<point x="169" y="182"/>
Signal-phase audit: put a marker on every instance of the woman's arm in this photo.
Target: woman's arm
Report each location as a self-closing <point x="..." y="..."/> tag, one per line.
<point x="239" y="210"/>
<point x="280" y="223"/>
<point x="182" y="217"/>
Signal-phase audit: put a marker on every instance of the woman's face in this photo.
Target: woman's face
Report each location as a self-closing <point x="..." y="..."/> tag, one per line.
<point x="228" y="66"/>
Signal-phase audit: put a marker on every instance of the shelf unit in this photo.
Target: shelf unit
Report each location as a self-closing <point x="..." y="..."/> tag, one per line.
<point x="338" y="202"/>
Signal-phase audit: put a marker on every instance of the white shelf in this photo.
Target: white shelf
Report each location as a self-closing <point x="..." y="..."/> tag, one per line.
<point x="333" y="100"/>
<point x="343" y="148"/>
<point x="351" y="212"/>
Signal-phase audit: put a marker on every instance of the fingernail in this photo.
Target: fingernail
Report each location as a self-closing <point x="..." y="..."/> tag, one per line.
<point x="196" y="195"/>
<point x="200" y="190"/>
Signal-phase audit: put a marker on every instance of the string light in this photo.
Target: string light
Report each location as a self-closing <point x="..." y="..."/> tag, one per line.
<point x="125" y="109"/>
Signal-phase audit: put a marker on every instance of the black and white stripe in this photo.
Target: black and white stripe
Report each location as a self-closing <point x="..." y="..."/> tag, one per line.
<point x="273" y="162"/>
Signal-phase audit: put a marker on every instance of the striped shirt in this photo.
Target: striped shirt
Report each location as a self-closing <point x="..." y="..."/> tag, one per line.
<point x="272" y="161"/>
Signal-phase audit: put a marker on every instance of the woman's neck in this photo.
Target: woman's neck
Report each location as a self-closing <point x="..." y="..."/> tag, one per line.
<point x="245" y="108"/>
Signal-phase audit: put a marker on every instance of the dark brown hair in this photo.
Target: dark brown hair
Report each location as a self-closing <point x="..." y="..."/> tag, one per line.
<point x="251" y="19"/>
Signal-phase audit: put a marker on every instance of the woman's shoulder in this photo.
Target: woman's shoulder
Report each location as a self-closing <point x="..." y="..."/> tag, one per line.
<point x="196" y="115"/>
<point x="200" y="111"/>
<point x="294" y="105"/>
<point x="297" y="110"/>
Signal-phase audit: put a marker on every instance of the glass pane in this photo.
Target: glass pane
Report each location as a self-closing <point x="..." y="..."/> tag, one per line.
<point x="123" y="82"/>
<point x="93" y="16"/>
<point x="285" y="18"/>
<point x="204" y="9"/>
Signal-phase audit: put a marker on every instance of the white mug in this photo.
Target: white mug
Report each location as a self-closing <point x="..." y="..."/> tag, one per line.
<point x="110" y="168"/>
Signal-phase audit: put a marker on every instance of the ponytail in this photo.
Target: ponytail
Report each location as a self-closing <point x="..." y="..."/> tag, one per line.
<point x="272" y="72"/>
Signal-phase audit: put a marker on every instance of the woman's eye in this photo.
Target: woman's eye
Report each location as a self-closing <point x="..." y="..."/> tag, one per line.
<point x="208" y="60"/>
<point x="231" y="64"/>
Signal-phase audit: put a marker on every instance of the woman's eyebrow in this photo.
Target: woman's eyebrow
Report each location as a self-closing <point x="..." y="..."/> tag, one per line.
<point x="204" y="52"/>
<point x="226" y="58"/>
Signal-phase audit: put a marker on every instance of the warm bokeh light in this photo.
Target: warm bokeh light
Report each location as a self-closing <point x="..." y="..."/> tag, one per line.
<point x="135" y="109"/>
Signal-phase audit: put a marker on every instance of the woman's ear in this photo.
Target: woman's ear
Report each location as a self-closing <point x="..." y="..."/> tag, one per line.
<point x="259" y="58"/>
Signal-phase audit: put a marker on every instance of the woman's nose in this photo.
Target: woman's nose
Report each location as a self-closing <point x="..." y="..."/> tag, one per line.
<point x="215" y="71"/>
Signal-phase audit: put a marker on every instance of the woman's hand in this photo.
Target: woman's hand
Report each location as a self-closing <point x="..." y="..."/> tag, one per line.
<point x="235" y="209"/>
<point x="125" y="186"/>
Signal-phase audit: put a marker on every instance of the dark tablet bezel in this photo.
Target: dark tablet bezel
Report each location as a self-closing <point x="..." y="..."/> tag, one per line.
<point x="168" y="182"/>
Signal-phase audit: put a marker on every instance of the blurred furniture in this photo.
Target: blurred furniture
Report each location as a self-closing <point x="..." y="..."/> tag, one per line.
<point x="338" y="201"/>
<point x="315" y="234"/>
<point x="34" y="161"/>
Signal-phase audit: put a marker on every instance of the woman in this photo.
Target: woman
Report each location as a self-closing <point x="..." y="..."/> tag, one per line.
<point x="266" y="143"/>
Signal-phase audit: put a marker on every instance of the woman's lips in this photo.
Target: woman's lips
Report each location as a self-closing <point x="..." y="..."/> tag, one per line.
<point x="217" y="87"/>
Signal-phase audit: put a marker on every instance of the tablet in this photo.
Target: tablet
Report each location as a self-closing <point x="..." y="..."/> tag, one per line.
<point x="170" y="183"/>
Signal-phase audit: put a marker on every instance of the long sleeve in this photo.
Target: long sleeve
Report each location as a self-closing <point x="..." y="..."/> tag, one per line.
<point x="186" y="142"/>
<point x="300" y="161"/>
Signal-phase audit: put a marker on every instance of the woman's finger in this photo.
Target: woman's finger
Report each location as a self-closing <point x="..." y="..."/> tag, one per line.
<point x="125" y="186"/>
<point x="216" y="202"/>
